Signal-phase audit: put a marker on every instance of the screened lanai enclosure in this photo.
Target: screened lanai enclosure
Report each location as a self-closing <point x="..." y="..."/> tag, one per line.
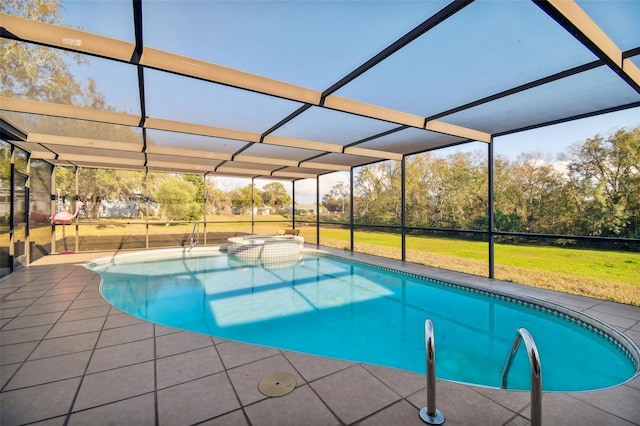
<point x="348" y="106"/>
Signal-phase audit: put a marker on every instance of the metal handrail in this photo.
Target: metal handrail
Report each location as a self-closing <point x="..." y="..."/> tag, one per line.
<point x="430" y="414"/>
<point x="536" y="372"/>
<point x="193" y="239"/>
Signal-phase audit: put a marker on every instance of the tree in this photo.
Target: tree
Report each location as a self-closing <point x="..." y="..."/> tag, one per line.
<point x="420" y="188"/>
<point x="507" y="208"/>
<point x="99" y="184"/>
<point x="459" y="197"/>
<point x="38" y="72"/>
<point x="65" y="182"/>
<point x="336" y="199"/>
<point x="377" y="198"/>
<point x="604" y="174"/>
<point x="177" y="199"/>
<point x="198" y="182"/>
<point x="5" y="163"/>
<point x="218" y="201"/>
<point x="95" y="185"/>
<point x="530" y="196"/>
<point x="243" y="200"/>
<point x="275" y="195"/>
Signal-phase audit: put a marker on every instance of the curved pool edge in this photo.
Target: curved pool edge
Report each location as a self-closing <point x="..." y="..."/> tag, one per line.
<point x="513" y="295"/>
<point x="151" y="253"/>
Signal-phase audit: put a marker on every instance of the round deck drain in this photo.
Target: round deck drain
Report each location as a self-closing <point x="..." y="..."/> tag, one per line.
<point x="277" y="384"/>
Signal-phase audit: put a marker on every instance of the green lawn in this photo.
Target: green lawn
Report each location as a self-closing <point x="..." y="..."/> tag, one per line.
<point x="604" y="274"/>
<point x="604" y="264"/>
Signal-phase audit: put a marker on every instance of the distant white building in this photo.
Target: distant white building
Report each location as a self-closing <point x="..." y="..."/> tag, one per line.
<point x="119" y="208"/>
<point x="258" y="211"/>
<point x="126" y="208"/>
<point x="309" y="209"/>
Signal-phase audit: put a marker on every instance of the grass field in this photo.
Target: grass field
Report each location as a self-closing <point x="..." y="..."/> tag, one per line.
<point x="603" y="274"/>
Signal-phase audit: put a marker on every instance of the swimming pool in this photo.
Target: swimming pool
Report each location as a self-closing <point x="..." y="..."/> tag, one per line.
<point x="328" y="306"/>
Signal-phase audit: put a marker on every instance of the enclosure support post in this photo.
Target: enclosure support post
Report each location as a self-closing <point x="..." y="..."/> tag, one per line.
<point x="27" y="210"/>
<point x="430" y="414"/>
<point x="317" y="211"/>
<point x="52" y="208"/>
<point x="12" y="208"/>
<point x="77" y="176"/>
<point x="403" y="210"/>
<point x="490" y="210"/>
<point x="253" y="188"/>
<point x="293" y="204"/>
<point x="146" y="210"/>
<point x="351" y="209"/>
<point x="204" y="214"/>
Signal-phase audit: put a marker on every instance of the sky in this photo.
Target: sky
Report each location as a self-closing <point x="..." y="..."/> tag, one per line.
<point x="556" y="139"/>
<point x="309" y="44"/>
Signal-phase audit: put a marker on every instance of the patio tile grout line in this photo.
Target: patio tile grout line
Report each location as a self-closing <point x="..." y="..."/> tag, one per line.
<point x="235" y="391"/>
<point x="77" y="392"/>
<point x="39" y="341"/>
<point x="26" y="359"/>
<point x="156" y="409"/>
<point x="308" y="383"/>
<point x="570" y="395"/>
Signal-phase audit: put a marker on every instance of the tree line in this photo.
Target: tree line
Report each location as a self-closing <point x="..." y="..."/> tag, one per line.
<point x="592" y="190"/>
<point x="173" y="196"/>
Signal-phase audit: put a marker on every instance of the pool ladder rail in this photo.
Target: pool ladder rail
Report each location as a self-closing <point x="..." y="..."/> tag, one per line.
<point x="195" y="236"/>
<point x="536" y="372"/>
<point x="431" y="415"/>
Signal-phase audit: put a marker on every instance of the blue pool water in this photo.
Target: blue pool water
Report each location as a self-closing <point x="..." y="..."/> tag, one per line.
<point x="331" y="307"/>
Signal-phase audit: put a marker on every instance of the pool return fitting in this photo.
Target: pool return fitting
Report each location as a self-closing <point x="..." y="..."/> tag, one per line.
<point x="430" y="414"/>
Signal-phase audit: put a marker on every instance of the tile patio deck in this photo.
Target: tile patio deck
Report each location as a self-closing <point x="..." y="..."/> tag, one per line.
<point x="69" y="358"/>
